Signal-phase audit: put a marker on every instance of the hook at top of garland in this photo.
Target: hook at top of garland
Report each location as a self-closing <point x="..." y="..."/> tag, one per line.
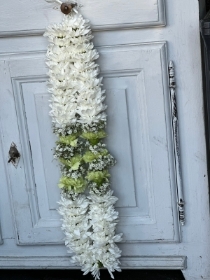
<point x="66" y="8"/>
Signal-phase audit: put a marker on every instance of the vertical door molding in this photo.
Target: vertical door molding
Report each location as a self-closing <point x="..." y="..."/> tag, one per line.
<point x="1" y="240"/>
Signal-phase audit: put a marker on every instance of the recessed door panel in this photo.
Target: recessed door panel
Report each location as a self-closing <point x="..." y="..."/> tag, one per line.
<point x="103" y="15"/>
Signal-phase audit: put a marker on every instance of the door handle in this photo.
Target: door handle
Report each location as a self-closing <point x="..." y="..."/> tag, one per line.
<point x="14" y="154"/>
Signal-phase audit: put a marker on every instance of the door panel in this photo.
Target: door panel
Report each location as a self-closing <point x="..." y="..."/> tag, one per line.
<point x="139" y="135"/>
<point x="35" y="221"/>
<point x="35" y="15"/>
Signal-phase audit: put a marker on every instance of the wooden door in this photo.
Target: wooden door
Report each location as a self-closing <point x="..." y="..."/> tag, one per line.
<point x="135" y="45"/>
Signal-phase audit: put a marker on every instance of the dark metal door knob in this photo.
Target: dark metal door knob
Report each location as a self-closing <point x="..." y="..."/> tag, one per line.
<point x="14" y="154"/>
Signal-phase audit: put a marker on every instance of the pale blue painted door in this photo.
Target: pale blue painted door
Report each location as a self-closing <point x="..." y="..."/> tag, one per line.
<point x="133" y="40"/>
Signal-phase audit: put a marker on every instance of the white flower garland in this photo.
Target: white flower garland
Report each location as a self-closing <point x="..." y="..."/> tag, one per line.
<point x="79" y="121"/>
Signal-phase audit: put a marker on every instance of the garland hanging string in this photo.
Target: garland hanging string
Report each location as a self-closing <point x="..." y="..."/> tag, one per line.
<point x="79" y="120"/>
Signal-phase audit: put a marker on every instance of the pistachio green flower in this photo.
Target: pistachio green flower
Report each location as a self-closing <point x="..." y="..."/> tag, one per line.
<point x="77" y="185"/>
<point x="98" y="176"/>
<point x="89" y="156"/>
<point x="94" y="137"/>
<point x="74" y="162"/>
<point x="69" y="140"/>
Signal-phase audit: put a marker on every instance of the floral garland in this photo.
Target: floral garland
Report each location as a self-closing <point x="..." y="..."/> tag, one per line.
<point x="79" y="120"/>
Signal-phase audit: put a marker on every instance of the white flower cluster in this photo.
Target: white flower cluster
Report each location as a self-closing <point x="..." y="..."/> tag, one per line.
<point x="103" y="219"/>
<point x="89" y="225"/>
<point x="79" y="120"/>
<point x="76" y="90"/>
<point x="76" y="226"/>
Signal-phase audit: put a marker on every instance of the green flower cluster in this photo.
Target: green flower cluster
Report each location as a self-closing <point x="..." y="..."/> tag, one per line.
<point x="84" y="159"/>
<point x="94" y="137"/>
<point x="68" y="184"/>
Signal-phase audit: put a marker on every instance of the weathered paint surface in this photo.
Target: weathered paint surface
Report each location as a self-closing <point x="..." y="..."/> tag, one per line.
<point x="134" y="64"/>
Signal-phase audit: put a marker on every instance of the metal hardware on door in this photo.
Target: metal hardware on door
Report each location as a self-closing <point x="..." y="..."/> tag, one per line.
<point x="66" y="8"/>
<point x="172" y="87"/>
<point x="14" y="155"/>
